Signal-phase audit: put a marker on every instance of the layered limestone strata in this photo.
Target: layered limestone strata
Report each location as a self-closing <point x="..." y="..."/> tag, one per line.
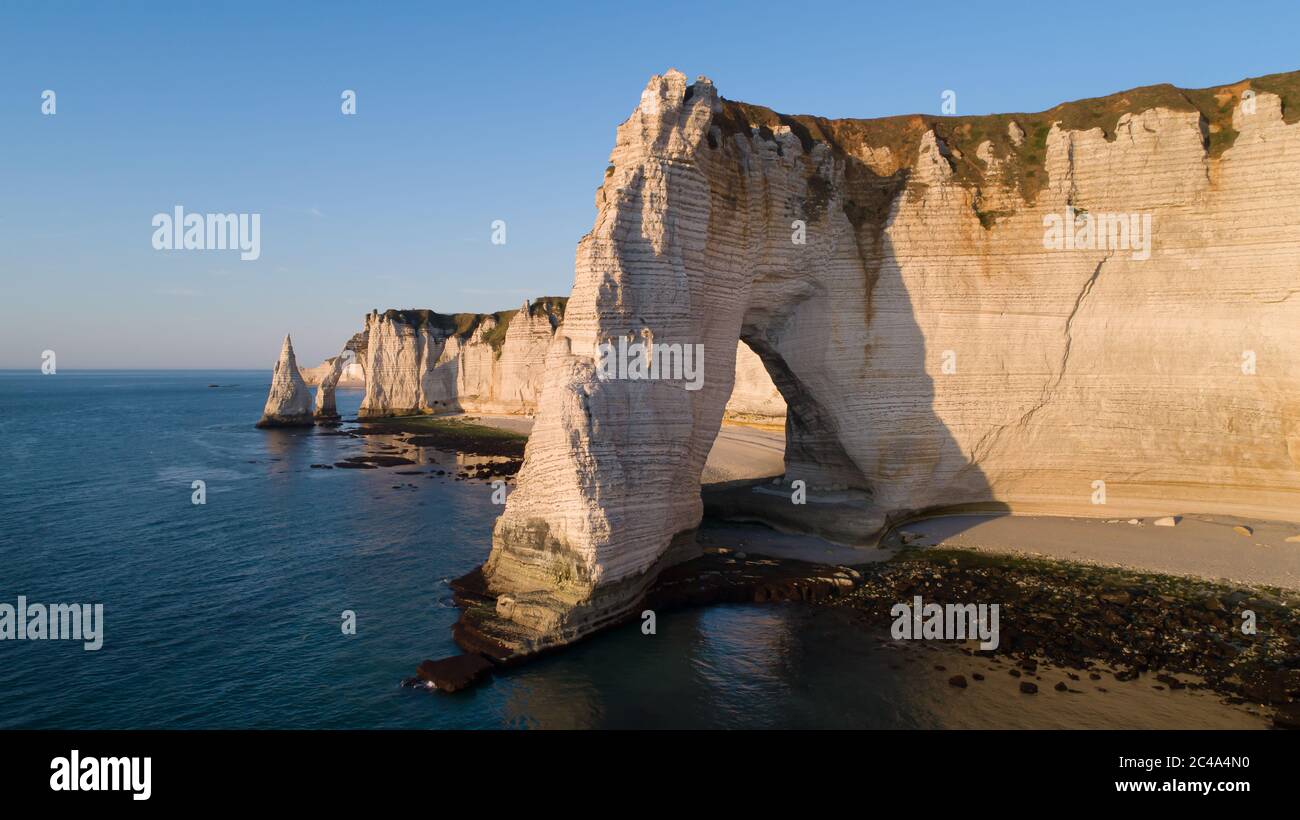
<point x="289" y="402"/>
<point x="428" y="362"/>
<point x="326" y="408"/>
<point x="353" y="375"/>
<point x="754" y="398"/>
<point x="938" y="344"/>
<point x="354" y="365"/>
<point x="420" y="361"/>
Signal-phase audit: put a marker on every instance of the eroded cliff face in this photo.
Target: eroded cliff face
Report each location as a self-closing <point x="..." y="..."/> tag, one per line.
<point x="326" y="408"/>
<point x="754" y="397"/>
<point x="353" y="373"/>
<point x="419" y="361"/>
<point x="936" y="344"/>
<point x="429" y="362"/>
<point x="288" y="403"/>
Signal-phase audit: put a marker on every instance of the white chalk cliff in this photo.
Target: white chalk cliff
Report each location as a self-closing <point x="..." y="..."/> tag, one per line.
<point x="419" y="361"/>
<point x="353" y="374"/>
<point x="754" y="398"/>
<point x="935" y="345"/>
<point x="326" y="409"/>
<point x="289" y="403"/>
<point x="428" y="362"/>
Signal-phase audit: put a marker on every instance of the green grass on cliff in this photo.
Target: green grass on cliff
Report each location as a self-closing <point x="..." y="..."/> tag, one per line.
<point x="962" y="135"/>
<point x="465" y="325"/>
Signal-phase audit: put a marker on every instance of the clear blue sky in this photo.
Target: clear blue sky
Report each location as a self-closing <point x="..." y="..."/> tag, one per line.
<point x="466" y="113"/>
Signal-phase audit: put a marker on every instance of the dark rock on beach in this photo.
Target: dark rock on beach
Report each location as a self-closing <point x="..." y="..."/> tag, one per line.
<point x="1288" y="716"/>
<point x="720" y="578"/>
<point x="1086" y="619"/>
<point x="712" y="578"/>
<point x="381" y="460"/>
<point x="449" y="434"/>
<point x="456" y="672"/>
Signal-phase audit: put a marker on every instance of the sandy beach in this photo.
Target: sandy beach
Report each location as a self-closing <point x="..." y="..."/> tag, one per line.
<point x="1210" y="547"/>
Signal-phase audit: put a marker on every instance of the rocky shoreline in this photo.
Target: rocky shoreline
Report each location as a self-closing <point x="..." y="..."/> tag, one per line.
<point x="501" y="451"/>
<point x="1098" y="622"/>
<point x="444" y="433"/>
<point x="1085" y="624"/>
<point x="1063" y="626"/>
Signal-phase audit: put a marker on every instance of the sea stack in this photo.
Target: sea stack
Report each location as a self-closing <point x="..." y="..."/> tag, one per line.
<point x="289" y="402"/>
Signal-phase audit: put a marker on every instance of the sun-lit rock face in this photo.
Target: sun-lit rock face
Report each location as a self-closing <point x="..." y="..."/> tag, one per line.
<point x="945" y="332"/>
<point x="326" y="407"/>
<point x="420" y="361"/>
<point x="289" y="403"/>
<point x="427" y="362"/>
<point x="754" y="397"/>
<point x="353" y="373"/>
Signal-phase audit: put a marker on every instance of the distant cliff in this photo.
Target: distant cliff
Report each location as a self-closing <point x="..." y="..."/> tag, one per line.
<point x="353" y="369"/>
<point x="421" y="361"/>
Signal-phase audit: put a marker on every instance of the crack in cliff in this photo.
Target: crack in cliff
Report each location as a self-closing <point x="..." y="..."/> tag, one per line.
<point x="1069" y="322"/>
<point x="1288" y="295"/>
<point x="989" y="439"/>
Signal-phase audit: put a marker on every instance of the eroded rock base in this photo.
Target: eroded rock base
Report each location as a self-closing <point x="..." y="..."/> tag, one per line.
<point x="272" y="422"/>
<point x="722" y="575"/>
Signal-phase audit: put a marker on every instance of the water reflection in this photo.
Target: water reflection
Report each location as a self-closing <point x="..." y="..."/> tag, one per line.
<point x="794" y="666"/>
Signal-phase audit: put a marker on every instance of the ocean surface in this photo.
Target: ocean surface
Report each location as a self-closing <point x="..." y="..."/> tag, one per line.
<point x="228" y="614"/>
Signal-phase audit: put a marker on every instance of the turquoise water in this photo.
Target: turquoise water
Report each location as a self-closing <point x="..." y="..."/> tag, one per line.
<point x="228" y="614"/>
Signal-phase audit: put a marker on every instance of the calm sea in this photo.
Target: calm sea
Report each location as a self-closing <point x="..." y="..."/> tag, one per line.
<point x="228" y="614"/>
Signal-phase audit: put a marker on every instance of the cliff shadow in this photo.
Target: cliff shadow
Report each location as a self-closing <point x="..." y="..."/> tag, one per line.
<point x="866" y="447"/>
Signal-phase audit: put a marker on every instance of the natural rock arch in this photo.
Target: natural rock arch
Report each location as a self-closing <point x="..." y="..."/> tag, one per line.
<point x="1066" y="367"/>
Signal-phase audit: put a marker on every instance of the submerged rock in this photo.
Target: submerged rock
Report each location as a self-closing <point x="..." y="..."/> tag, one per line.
<point x="289" y="402"/>
<point x="456" y="672"/>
